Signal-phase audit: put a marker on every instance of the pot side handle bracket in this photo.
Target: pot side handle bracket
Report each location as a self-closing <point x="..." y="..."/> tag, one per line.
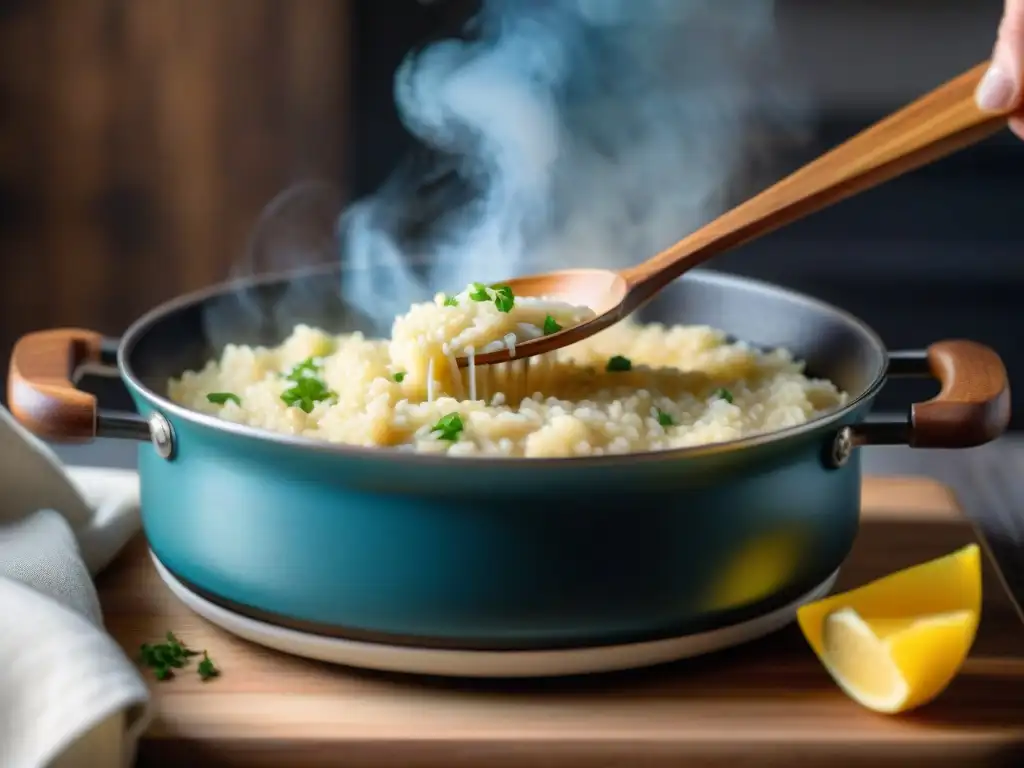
<point x="972" y="407"/>
<point x="42" y="395"/>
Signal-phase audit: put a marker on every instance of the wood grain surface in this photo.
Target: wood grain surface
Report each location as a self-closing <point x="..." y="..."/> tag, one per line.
<point x="140" y="142"/>
<point x="766" y="703"/>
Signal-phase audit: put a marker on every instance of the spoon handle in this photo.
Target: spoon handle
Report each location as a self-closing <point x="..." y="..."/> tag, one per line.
<point x="937" y="124"/>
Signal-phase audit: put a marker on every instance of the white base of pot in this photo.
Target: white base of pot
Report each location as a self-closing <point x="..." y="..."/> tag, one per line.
<point x="451" y="663"/>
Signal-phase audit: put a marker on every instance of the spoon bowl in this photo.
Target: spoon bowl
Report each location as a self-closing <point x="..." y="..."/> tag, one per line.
<point x="605" y="291"/>
<point x="936" y="125"/>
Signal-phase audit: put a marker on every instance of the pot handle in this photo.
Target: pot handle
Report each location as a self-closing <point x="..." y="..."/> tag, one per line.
<point x="44" y="399"/>
<point x="972" y="408"/>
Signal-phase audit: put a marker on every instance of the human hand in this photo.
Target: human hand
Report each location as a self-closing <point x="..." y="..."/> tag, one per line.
<point x="1002" y="86"/>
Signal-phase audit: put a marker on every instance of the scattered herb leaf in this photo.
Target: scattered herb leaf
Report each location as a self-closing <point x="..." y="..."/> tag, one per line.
<point x="479" y="292"/>
<point x="307" y="369"/>
<point x="206" y="668"/>
<point x="306" y="393"/>
<point x="665" y="419"/>
<point x="501" y="295"/>
<point x="451" y="301"/>
<point x="179" y="647"/>
<point x="449" y="427"/>
<point x="164" y="658"/>
<point x="155" y="660"/>
<point x="723" y="394"/>
<point x="219" y="398"/>
<point x="399" y="376"/>
<point x="619" y="363"/>
<point x="504" y="299"/>
<point x="551" y="326"/>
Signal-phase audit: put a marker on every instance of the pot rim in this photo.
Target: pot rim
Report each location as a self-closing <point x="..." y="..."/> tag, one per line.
<point x="139" y="328"/>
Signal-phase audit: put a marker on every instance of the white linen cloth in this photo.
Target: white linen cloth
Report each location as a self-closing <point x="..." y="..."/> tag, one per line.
<point x="69" y="696"/>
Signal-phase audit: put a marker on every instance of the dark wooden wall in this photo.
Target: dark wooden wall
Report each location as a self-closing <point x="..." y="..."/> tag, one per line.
<point x="140" y="139"/>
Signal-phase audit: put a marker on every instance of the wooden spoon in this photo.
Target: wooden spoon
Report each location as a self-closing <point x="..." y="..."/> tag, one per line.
<point x="943" y="121"/>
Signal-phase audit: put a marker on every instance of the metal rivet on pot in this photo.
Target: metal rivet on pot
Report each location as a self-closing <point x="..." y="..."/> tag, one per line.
<point x="162" y="435"/>
<point x="842" y="447"/>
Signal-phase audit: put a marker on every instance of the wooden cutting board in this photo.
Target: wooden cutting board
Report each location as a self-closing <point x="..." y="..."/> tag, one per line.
<point x="764" y="704"/>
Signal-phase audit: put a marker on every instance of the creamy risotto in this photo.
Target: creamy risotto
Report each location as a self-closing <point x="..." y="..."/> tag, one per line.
<point x="628" y="389"/>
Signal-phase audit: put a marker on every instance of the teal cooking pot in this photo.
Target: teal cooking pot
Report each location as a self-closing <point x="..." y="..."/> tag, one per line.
<point x="499" y="553"/>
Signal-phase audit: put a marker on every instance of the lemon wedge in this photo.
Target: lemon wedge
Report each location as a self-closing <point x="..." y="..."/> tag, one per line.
<point x="898" y="642"/>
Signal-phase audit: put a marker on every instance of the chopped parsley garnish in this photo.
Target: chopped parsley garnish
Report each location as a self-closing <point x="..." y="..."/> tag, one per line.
<point x="504" y="299"/>
<point x="219" y="398"/>
<point x="308" y="389"/>
<point x="451" y="301"/>
<point x="501" y="295"/>
<point x="723" y="394"/>
<point x="449" y="427"/>
<point x="206" y="668"/>
<point x="551" y="326"/>
<point x="399" y="376"/>
<point x="665" y="419"/>
<point x="479" y="292"/>
<point x="308" y="368"/>
<point x="306" y="393"/>
<point x="164" y="658"/>
<point x="619" y="363"/>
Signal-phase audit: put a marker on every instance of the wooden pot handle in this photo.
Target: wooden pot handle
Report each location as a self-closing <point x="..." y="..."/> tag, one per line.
<point x="973" y="406"/>
<point x="39" y="389"/>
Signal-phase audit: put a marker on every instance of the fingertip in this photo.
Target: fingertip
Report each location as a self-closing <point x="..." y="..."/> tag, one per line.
<point x="998" y="89"/>
<point x="1017" y="126"/>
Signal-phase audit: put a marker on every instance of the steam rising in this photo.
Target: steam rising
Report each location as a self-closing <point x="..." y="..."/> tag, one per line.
<point x="567" y="133"/>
